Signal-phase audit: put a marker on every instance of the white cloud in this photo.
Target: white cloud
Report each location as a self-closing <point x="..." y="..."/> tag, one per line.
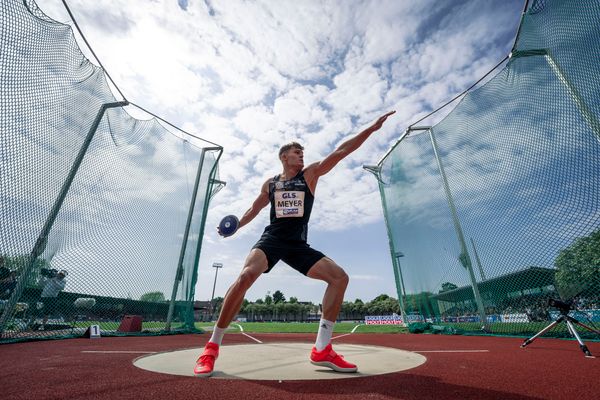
<point x="358" y="91"/>
<point x="300" y="106"/>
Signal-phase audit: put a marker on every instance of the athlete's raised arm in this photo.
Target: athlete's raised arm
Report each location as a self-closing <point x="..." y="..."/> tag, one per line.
<point x="320" y="168"/>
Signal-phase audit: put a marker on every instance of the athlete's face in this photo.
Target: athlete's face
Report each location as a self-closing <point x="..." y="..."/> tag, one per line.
<point x="294" y="157"/>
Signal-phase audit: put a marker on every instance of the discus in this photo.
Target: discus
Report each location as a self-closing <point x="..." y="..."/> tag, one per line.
<point x="229" y="225"/>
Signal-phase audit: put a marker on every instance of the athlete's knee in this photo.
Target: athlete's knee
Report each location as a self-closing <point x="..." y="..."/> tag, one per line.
<point x="342" y="278"/>
<point x="339" y="278"/>
<point x="328" y="271"/>
<point x="246" y="279"/>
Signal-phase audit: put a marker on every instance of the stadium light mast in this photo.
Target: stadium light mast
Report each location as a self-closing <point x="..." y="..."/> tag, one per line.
<point x="216" y="266"/>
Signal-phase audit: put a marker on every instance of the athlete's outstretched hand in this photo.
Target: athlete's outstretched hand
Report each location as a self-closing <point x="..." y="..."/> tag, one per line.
<point x="379" y="123"/>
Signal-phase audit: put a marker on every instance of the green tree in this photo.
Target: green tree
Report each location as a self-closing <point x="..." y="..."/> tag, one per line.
<point x="578" y="267"/>
<point x="153" y="297"/>
<point x="293" y="309"/>
<point x="268" y="299"/>
<point x="245" y="304"/>
<point x="259" y="310"/>
<point x="390" y="306"/>
<point x="447" y="286"/>
<point x="381" y="297"/>
<point x="279" y="311"/>
<point x="269" y="309"/>
<point x="346" y="310"/>
<point x="359" y="309"/>
<point x="217" y="303"/>
<point x="374" y="308"/>
<point x="278" y="297"/>
<point x="293" y="300"/>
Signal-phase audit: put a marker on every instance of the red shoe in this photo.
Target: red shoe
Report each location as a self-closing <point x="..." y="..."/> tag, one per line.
<point x="206" y="361"/>
<point x="329" y="358"/>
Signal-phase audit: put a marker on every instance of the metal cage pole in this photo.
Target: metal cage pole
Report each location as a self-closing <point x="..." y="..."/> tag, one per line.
<point x="186" y="233"/>
<point x="42" y="240"/>
<point x="479" y="265"/>
<point x="376" y="170"/>
<point x="207" y="197"/>
<point x="465" y="259"/>
<point x="583" y="108"/>
<point x="589" y="117"/>
<point x="399" y="255"/>
<point x="179" y="273"/>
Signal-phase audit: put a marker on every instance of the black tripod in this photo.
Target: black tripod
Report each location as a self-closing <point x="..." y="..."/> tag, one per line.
<point x="564" y="308"/>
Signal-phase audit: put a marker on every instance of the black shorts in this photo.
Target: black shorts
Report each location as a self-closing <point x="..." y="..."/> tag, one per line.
<point x="297" y="254"/>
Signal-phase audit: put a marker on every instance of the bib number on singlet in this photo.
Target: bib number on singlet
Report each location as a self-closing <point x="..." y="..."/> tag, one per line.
<point x="289" y="204"/>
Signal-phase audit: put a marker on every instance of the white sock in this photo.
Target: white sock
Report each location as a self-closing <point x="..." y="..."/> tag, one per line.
<point x="324" y="334"/>
<point x="217" y="335"/>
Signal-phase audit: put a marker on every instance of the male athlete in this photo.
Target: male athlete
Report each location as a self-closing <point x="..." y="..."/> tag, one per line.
<point x="291" y="195"/>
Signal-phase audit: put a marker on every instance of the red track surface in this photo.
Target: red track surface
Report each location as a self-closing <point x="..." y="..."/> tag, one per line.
<point x="546" y="369"/>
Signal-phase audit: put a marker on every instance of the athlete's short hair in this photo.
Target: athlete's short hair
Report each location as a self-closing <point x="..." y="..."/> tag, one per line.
<point x="289" y="146"/>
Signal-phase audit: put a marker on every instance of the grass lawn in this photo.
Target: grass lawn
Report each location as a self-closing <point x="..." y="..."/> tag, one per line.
<point x="306" y="327"/>
<point x="510" y="329"/>
<point x="111" y="326"/>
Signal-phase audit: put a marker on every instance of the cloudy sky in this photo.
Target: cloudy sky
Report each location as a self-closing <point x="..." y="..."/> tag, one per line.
<point x="253" y="75"/>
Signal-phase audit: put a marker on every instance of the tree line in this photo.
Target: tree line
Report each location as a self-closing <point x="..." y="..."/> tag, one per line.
<point x="276" y="308"/>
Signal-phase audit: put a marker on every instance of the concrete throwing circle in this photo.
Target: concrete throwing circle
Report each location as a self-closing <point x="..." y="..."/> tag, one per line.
<point x="282" y="361"/>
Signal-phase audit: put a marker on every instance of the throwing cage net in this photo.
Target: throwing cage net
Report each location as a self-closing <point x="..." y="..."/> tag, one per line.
<point x="101" y="214"/>
<point x="495" y="210"/>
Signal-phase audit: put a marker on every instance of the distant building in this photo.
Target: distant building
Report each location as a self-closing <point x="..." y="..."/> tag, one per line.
<point x="500" y="292"/>
<point x="202" y="310"/>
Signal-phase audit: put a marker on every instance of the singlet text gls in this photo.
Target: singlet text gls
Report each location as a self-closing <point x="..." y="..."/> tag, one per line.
<point x="289" y="203"/>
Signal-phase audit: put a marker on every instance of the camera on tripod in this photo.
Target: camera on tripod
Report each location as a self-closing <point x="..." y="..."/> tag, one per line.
<point x="563" y="306"/>
<point x="571" y="322"/>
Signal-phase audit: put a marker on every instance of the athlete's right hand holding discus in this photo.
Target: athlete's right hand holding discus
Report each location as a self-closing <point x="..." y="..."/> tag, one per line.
<point x="228" y="226"/>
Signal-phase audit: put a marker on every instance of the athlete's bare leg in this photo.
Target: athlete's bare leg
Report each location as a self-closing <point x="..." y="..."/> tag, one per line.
<point x="322" y="353"/>
<point x="256" y="263"/>
<point x="337" y="280"/>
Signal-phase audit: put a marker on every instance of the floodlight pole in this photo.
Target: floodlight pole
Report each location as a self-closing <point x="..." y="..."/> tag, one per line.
<point x="216" y="266"/>
<point x="464" y="258"/>
<point x="42" y="240"/>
